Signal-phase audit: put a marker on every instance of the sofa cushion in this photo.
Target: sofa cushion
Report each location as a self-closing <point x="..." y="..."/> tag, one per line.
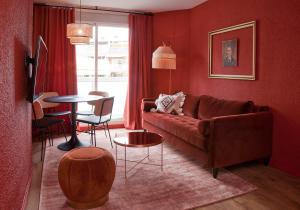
<point x="186" y="128"/>
<point x="170" y="103"/>
<point x="190" y="106"/>
<point x="212" y="107"/>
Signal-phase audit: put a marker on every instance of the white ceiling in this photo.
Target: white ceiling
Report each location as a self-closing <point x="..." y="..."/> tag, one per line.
<point x="131" y="5"/>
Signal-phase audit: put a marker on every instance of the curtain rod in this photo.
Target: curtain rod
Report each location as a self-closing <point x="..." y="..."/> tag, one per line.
<point x="97" y="8"/>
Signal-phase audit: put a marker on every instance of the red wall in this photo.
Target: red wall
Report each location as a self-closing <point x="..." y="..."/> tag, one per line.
<point x="173" y="29"/>
<point x="15" y="112"/>
<point x="278" y="64"/>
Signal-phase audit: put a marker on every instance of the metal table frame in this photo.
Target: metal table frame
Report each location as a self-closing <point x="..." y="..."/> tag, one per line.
<point x="139" y="161"/>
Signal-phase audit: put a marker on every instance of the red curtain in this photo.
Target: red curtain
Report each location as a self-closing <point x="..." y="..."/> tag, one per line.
<point x="140" y="51"/>
<point x="51" y="24"/>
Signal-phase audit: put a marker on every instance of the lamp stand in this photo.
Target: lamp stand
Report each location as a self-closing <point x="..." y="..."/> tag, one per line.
<point x="170" y="81"/>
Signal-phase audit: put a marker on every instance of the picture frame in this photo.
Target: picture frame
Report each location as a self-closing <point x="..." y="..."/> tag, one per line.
<point x="232" y="52"/>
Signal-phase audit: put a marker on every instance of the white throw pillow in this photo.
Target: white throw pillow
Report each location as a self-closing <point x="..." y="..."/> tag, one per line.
<point x="170" y="103"/>
<point x="181" y="98"/>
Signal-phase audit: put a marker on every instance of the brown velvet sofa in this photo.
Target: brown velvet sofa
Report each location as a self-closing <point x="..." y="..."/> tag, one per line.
<point x="220" y="132"/>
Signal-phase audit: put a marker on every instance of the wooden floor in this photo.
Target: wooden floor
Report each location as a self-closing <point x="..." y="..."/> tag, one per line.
<point x="276" y="190"/>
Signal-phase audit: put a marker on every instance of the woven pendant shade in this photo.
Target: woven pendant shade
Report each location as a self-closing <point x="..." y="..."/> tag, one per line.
<point x="164" y="58"/>
<point x="79" y="33"/>
<point x="79" y="40"/>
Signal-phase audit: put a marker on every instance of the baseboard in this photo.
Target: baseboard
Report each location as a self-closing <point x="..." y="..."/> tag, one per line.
<point x="83" y="127"/>
<point x="25" y="198"/>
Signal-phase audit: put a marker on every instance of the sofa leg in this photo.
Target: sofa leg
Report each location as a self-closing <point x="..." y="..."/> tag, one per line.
<point x="215" y="172"/>
<point x="266" y="161"/>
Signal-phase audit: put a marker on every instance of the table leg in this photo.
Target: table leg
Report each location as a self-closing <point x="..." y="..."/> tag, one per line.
<point x="116" y="154"/>
<point x="74" y="141"/>
<point x="148" y="152"/>
<point x="125" y="164"/>
<point x="162" y="156"/>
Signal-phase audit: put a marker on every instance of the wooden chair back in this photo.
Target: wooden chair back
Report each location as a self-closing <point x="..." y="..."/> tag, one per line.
<point x="46" y="105"/>
<point x="37" y="111"/>
<point x="104" y="107"/>
<point x="97" y="93"/>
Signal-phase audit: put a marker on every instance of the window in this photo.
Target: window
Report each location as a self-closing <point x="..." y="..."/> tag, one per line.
<point x="109" y="72"/>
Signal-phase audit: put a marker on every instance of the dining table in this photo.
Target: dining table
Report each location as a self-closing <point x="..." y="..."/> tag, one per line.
<point x="73" y="142"/>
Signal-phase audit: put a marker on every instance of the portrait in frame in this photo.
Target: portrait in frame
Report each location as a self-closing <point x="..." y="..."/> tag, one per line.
<point x="229" y="53"/>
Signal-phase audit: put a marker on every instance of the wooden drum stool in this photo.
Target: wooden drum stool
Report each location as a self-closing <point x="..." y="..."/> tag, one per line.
<point x="86" y="176"/>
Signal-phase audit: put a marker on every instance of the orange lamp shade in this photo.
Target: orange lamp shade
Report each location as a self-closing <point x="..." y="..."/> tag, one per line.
<point x="79" y="40"/>
<point x="164" y="58"/>
<point x="79" y="33"/>
<point x="79" y="30"/>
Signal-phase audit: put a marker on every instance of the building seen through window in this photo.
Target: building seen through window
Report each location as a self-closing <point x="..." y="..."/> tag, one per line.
<point x="109" y="72"/>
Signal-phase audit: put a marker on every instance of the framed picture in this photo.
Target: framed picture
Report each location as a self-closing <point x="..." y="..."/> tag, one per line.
<point x="232" y="52"/>
<point x="229" y="53"/>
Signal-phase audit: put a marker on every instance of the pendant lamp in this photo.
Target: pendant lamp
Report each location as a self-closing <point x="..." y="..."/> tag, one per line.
<point x="79" y="33"/>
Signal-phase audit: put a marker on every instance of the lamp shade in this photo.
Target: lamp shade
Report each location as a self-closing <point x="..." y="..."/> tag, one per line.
<point x="164" y="58"/>
<point x="79" y="40"/>
<point x="79" y="30"/>
<point x="79" y="33"/>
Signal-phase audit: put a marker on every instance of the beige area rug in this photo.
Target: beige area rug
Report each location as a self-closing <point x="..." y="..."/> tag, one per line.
<point x="183" y="183"/>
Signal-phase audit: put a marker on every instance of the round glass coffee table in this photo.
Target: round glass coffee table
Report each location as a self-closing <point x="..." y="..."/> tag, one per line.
<point x="139" y="140"/>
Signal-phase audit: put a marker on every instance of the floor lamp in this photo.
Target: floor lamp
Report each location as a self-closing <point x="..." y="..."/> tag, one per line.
<point x="164" y="58"/>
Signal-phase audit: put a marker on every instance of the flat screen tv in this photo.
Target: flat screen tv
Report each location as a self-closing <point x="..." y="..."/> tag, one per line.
<point x="37" y="71"/>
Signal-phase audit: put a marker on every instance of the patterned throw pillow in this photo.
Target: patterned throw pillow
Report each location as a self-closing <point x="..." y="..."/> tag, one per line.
<point x="181" y="98"/>
<point x="170" y="103"/>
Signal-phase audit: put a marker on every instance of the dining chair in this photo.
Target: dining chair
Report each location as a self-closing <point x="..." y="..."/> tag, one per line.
<point x="92" y="103"/>
<point x="101" y="116"/>
<point x="47" y="105"/>
<point x="43" y="125"/>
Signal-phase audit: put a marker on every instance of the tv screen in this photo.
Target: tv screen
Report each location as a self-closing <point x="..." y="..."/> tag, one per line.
<point x="38" y="72"/>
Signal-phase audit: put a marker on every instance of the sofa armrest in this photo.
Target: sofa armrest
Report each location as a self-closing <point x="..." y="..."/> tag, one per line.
<point x="239" y="138"/>
<point x="204" y="127"/>
<point x="148" y="104"/>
